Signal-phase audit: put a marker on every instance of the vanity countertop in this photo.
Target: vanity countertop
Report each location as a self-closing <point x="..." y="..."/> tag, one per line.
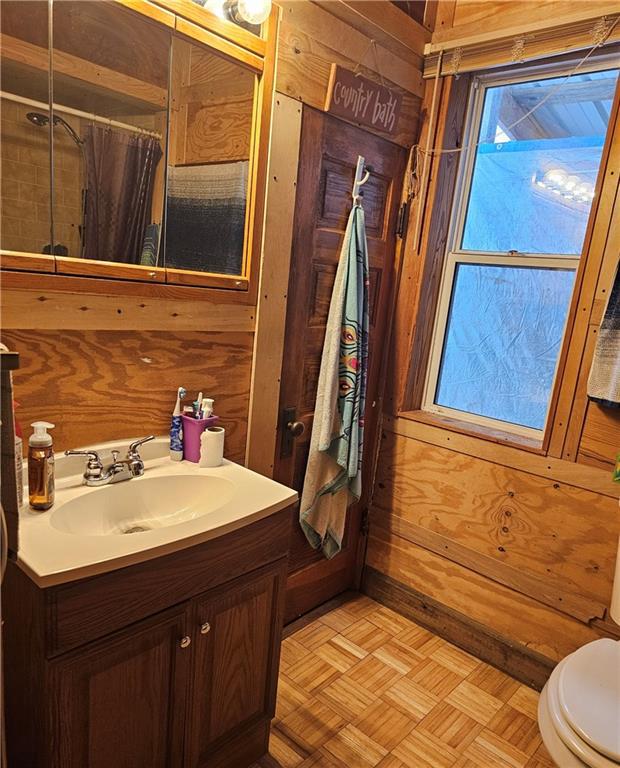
<point x="90" y="531"/>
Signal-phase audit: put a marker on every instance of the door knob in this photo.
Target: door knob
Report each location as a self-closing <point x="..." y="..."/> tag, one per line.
<point x="296" y="428"/>
<point x="185" y="641"/>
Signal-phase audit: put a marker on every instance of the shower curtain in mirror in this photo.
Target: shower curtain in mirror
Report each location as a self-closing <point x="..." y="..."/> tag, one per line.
<point x="120" y="172"/>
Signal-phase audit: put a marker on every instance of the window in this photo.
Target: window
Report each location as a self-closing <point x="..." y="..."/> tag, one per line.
<point x="526" y="182"/>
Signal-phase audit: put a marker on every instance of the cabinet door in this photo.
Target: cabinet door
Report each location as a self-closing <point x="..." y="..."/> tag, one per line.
<point x="121" y="701"/>
<point x="235" y="664"/>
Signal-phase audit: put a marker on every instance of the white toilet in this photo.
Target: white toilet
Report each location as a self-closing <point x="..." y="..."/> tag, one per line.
<point x="579" y="708"/>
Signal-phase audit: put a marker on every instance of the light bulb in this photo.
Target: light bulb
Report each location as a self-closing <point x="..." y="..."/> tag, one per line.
<point x="555" y="177"/>
<point x="254" y="11"/>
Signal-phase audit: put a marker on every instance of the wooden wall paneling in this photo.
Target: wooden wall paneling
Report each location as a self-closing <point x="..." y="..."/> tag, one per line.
<point x="146" y="8"/>
<point x="510" y="517"/>
<point x="475" y="21"/>
<point x="516" y="617"/>
<point x="102" y="385"/>
<point x="579" y="405"/>
<point x="599" y="443"/>
<point x="222" y="46"/>
<point x="429" y="17"/>
<point x="583" y="608"/>
<point x="382" y="21"/>
<point x="218" y="105"/>
<point x="272" y="294"/>
<point x="131" y="44"/>
<point x="444" y="18"/>
<point x="321" y="21"/>
<point x="517" y="660"/>
<point x="588" y="478"/>
<point x="611" y="264"/>
<point x="28" y="309"/>
<point x="136" y="92"/>
<point x="180" y="80"/>
<point x="600" y="247"/>
<point x="304" y="66"/>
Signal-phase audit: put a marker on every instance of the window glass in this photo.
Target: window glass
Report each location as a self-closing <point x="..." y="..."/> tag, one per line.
<point x="534" y="174"/>
<point x="504" y="331"/>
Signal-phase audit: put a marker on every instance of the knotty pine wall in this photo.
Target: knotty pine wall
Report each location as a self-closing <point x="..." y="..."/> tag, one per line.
<point x="507" y="549"/>
<point x="102" y="367"/>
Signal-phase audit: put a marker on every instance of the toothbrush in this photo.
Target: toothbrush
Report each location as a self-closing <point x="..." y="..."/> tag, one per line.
<point x="199" y="401"/>
<point x="176" y="428"/>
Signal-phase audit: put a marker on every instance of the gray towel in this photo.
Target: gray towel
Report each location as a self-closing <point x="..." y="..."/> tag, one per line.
<point x="604" y="379"/>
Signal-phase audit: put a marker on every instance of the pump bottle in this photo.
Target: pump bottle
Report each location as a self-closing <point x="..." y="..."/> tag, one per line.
<point x="41" y="466"/>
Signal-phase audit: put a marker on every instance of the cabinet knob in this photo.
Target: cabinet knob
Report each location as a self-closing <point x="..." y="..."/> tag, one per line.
<point x="185" y="641"/>
<point x="205" y="628"/>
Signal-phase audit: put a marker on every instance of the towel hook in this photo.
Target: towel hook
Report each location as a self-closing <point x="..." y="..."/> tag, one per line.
<point x="362" y="174"/>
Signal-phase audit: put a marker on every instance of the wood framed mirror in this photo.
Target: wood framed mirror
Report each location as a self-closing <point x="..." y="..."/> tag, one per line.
<point x="152" y="132"/>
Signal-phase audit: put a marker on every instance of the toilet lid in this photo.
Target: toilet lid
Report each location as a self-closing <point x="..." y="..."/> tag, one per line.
<point x="558" y="750"/>
<point x="589" y="695"/>
<point x="571" y="739"/>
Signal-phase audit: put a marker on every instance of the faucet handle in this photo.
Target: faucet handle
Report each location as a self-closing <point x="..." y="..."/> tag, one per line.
<point x="94" y="466"/>
<point x="132" y="451"/>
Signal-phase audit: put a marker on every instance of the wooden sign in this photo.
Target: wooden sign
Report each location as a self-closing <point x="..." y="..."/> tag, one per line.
<point x="360" y="100"/>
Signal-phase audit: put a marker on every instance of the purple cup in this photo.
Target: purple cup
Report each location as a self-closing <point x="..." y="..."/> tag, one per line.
<point x="192" y="429"/>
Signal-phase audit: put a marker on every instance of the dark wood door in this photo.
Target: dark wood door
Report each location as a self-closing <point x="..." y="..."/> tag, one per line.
<point x="121" y="701"/>
<point x="328" y="157"/>
<point x="235" y="671"/>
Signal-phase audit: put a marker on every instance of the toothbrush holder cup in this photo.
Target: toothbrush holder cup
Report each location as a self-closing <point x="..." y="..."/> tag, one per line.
<point x="192" y="429"/>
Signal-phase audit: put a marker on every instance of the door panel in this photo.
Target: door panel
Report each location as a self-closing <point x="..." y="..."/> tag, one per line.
<point x="121" y="701"/>
<point x="236" y="661"/>
<point x="328" y="157"/>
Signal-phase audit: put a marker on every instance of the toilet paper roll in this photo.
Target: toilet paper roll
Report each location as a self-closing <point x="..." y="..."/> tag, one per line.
<point x="212" y="447"/>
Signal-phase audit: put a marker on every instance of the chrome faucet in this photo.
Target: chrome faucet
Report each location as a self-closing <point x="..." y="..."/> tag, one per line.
<point x="97" y="474"/>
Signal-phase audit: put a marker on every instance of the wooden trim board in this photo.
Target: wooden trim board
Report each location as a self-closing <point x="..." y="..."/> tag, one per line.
<point x="40" y="309"/>
<point x="528" y="666"/>
<point x="588" y="478"/>
<point x="271" y="309"/>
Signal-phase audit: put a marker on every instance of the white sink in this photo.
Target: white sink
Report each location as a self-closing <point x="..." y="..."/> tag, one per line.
<point x="174" y="505"/>
<point x="142" y="505"/>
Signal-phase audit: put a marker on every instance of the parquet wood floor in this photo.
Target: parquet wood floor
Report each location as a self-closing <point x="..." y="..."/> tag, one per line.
<point x="363" y="687"/>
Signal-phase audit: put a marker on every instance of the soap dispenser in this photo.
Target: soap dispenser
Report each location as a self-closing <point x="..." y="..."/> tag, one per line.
<point x="41" y="466"/>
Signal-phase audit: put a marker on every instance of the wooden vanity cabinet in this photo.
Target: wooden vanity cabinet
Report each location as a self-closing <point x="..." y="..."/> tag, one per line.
<point x="190" y="686"/>
<point x="120" y="701"/>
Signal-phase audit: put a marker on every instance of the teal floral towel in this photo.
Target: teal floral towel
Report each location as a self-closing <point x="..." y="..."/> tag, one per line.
<point x="334" y="471"/>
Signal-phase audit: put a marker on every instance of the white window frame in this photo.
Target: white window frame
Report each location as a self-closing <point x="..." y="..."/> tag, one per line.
<point x="455" y="255"/>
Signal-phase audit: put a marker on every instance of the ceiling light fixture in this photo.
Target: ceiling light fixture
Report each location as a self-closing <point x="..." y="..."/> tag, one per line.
<point x="253" y="12"/>
<point x="249" y="11"/>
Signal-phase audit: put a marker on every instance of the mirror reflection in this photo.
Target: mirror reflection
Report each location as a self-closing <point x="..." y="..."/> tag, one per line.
<point x="110" y="85"/>
<point x="25" y="211"/>
<point x="211" y="111"/>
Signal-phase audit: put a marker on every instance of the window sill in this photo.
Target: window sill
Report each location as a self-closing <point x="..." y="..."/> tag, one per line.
<point x="475" y="430"/>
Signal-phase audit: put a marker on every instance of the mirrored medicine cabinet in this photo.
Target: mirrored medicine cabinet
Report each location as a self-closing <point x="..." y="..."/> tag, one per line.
<point x="134" y="141"/>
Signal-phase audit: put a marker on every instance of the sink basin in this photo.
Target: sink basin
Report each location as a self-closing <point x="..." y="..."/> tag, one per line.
<point x="141" y="505"/>
<point x="173" y="506"/>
